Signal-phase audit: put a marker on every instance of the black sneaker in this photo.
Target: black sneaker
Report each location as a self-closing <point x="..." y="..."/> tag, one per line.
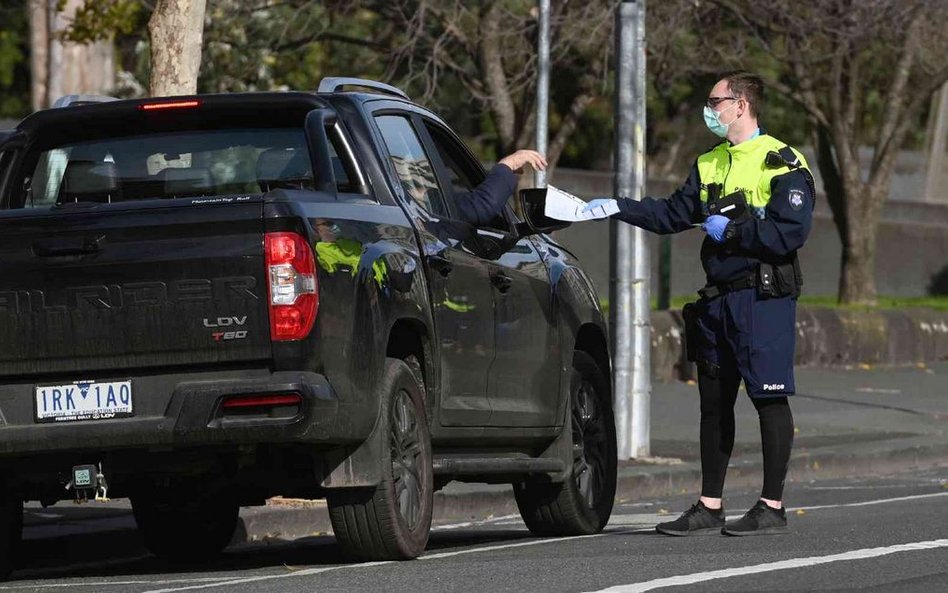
<point x="760" y="520"/>
<point x="697" y="520"/>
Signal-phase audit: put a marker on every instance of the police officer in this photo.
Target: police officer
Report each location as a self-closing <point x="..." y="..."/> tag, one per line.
<point x="753" y="196"/>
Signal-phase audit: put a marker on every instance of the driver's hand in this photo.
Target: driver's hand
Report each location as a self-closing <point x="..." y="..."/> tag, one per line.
<point x="517" y="160"/>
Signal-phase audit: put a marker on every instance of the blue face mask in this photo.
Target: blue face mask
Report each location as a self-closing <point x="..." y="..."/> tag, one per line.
<point x="712" y="119"/>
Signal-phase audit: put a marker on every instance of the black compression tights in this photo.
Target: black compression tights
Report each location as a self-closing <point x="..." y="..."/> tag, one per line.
<point x="718" y="394"/>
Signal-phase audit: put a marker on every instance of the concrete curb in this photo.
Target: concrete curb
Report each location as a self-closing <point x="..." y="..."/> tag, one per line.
<point x="825" y="337"/>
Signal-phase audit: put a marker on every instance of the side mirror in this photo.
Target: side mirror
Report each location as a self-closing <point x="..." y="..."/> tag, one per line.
<point x="532" y="208"/>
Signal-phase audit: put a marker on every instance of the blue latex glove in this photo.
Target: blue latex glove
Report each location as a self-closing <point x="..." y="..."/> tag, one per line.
<point x="714" y="226"/>
<point x="600" y="208"/>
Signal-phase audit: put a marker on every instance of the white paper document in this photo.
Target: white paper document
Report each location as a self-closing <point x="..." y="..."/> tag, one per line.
<point x="565" y="206"/>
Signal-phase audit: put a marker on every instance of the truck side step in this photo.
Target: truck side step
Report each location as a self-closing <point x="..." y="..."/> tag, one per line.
<point x="461" y="465"/>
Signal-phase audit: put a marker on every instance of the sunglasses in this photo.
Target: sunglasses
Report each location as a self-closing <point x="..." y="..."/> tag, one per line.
<point x="715" y="101"/>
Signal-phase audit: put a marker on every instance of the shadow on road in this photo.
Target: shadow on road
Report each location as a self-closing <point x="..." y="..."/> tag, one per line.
<point x="122" y="554"/>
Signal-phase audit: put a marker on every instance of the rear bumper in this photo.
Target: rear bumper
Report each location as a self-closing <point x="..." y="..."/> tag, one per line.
<point x="183" y="411"/>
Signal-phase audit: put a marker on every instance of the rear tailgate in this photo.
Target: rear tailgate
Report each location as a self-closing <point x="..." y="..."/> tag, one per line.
<point x="132" y="286"/>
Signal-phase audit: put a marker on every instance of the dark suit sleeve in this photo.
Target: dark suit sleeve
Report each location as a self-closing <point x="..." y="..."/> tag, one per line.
<point x="663" y="216"/>
<point x="482" y="204"/>
<point x="789" y="216"/>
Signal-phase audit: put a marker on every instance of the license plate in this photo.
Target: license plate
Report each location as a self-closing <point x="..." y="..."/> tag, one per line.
<point x="83" y="400"/>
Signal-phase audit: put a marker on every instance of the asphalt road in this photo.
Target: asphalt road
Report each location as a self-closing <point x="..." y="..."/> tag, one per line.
<point x="877" y="534"/>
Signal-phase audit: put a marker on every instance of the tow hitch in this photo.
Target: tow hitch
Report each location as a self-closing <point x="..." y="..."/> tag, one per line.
<point x="88" y="480"/>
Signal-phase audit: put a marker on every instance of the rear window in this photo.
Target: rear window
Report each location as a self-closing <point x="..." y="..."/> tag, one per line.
<point x="186" y="164"/>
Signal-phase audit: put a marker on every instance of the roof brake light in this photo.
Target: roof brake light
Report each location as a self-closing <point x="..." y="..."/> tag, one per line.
<point x="169" y="105"/>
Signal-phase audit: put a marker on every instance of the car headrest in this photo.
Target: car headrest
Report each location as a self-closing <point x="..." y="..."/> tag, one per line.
<point x="283" y="168"/>
<point x="90" y="181"/>
<point x="190" y="181"/>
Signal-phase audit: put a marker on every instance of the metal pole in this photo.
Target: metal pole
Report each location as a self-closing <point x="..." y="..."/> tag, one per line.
<point x="629" y="302"/>
<point x="641" y="272"/>
<point x="620" y="244"/>
<point x="543" y="86"/>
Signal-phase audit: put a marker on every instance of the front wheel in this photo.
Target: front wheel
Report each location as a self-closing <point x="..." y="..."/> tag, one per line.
<point x="582" y="504"/>
<point x="392" y="520"/>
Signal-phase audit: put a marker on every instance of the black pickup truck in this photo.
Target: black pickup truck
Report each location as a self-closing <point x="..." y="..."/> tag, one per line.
<point x="207" y="301"/>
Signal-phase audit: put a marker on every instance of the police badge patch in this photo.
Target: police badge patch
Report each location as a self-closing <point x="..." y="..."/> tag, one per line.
<point x="796" y="199"/>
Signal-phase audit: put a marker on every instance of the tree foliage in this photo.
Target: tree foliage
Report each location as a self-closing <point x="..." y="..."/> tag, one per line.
<point x="863" y="72"/>
<point x="14" y="67"/>
<point x="106" y="19"/>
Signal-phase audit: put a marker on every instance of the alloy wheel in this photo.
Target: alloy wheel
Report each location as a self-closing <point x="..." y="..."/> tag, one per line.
<point x="406" y="447"/>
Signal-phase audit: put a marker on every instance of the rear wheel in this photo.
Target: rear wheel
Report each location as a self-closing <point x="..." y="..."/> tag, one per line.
<point x="582" y="504"/>
<point x="186" y="526"/>
<point x="391" y="521"/>
<point x="11" y="532"/>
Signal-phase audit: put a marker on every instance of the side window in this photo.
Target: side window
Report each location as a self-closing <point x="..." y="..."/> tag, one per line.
<point x="341" y="167"/>
<point x="465" y="175"/>
<point x="6" y="159"/>
<point x="411" y="163"/>
<point x="463" y="179"/>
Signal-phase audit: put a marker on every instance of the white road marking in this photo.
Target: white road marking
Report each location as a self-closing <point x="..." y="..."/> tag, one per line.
<point x="97" y="584"/>
<point x="874" y="487"/>
<point x="437" y="556"/>
<point x="701" y="577"/>
<point x="538" y="542"/>
<point x="505" y="519"/>
<point x="877" y="390"/>
<point x="869" y="502"/>
<point x="271" y="577"/>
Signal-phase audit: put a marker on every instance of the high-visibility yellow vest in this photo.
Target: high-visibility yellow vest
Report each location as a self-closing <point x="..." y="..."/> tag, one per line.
<point x="743" y="167"/>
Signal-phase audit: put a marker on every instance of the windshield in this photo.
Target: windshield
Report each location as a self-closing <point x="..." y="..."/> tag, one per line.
<point x="171" y="165"/>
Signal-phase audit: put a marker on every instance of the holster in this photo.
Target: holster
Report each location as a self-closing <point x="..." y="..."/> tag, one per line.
<point x="780" y="280"/>
<point x="689" y="314"/>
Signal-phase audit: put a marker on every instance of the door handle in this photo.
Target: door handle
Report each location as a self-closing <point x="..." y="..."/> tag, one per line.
<point x="65" y="247"/>
<point x="501" y="281"/>
<point x="442" y="264"/>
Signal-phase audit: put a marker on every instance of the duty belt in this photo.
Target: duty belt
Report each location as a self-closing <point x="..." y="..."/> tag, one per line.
<point x="715" y="290"/>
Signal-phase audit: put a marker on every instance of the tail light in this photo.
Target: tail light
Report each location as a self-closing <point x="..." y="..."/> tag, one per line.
<point x="164" y="105"/>
<point x="291" y="270"/>
<point x="262" y="401"/>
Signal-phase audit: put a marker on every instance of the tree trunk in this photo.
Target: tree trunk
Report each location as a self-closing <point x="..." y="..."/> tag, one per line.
<point x="176" y="29"/>
<point x="566" y="129"/>
<point x="857" y="279"/>
<point x="61" y="67"/>
<point x="857" y="282"/>
<point x="39" y="51"/>
<point x="492" y="66"/>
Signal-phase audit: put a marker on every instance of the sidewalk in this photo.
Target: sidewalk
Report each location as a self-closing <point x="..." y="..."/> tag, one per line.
<point x="849" y="422"/>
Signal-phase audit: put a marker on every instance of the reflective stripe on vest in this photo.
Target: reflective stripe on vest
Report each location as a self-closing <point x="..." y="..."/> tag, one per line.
<point x="743" y="167"/>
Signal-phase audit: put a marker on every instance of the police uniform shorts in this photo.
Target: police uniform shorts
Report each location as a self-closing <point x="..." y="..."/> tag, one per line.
<point x="756" y="334"/>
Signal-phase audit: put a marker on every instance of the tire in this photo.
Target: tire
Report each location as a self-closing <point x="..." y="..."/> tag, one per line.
<point x="391" y="521"/>
<point x="11" y="533"/>
<point x="582" y="504"/>
<point x="186" y="525"/>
